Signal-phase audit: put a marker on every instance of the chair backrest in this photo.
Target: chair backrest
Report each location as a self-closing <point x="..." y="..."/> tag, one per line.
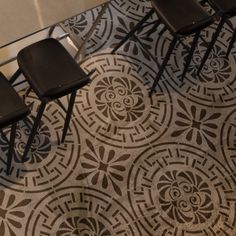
<point x="182" y="17"/>
<point x="224" y="6"/>
<point x="12" y="107"/>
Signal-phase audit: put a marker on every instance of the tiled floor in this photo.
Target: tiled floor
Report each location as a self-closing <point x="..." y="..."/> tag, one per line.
<point x="131" y="165"/>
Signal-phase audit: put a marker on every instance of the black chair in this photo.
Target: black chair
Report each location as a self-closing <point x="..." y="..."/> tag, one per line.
<point x="12" y="110"/>
<point x="52" y="73"/>
<point x="225" y="9"/>
<point x="182" y="18"/>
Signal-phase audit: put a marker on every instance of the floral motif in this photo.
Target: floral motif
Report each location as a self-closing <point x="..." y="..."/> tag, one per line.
<point x="185" y="197"/>
<point x="40" y="147"/>
<point x="119" y="99"/>
<point x="107" y="167"/>
<point x="196" y="125"/>
<point x="82" y="226"/>
<point x="10" y="214"/>
<point x="132" y="43"/>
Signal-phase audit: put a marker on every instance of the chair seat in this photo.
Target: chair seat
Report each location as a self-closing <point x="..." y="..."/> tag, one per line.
<point x="50" y="69"/>
<point x="12" y="107"/>
<point x="182" y="17"/>
<point x="224" y="6"/>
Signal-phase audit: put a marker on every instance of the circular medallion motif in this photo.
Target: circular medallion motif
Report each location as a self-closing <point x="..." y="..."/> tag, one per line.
<point x="119" y="99"/>
<point x="228" y="140"/>
<point x="185" y="196"/>
<point x="50" y="162"/>
<point x="41" y="145"/>
<point x="116" y="108"/>
<point x="179" y="189"/>
<point x="216" y="84"/>
<point x="80" y="211"/>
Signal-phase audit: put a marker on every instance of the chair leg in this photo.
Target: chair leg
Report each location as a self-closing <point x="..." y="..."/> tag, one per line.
<point x="15" y="76"/>
<point x="164" y="63"/>
<point x="211" y="45"/>
<point x="231" y="44"/>
<point x="190" y="55"/>
<point x="153" y="29"/>
<point x="230" y="24"/>
<point x="27" y="122"/>
<point x="34" y="130"/>
<point x="68" y="115"/>
<point x="61" y="105"/>
<point x="162" y="31"/>
<point x="27" y="92"/>
<point x="11" y="147"/>
<point x="184" y="45"/>
<point x="146" y="50"/>
<point x="51" y="30"/>
<point x="136" y="27"/>
<point x="204" y="41"/>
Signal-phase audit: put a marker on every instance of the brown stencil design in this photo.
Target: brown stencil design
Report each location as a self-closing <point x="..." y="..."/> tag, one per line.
<point x="50" y="162"/>
<point x="104" y="165"/>
<point x="12" y="213"/>
<point x="80" y="211"/>
<point x="116" y="108"/>
<point x="180" y="189"/>
<point x="216" y="85"/>
<point x="131" y="165"/>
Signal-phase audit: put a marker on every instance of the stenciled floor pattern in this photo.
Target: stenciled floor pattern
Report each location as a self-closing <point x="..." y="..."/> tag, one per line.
<point x="131" y="165"/>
